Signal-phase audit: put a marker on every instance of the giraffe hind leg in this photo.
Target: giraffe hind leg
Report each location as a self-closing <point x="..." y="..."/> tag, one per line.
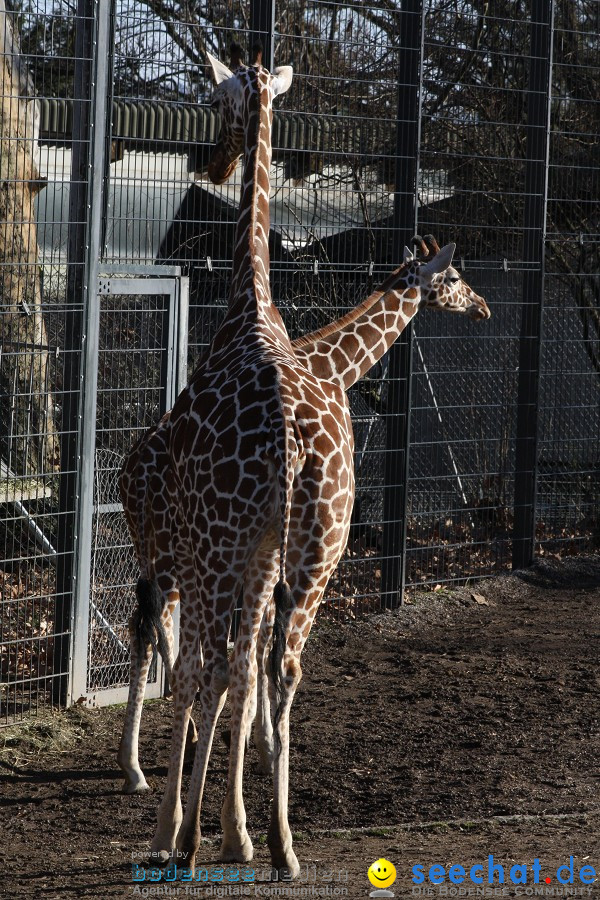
<point x="128" y="753"/>
<point x="308" y="573"/>
<point x="151" y="625"/>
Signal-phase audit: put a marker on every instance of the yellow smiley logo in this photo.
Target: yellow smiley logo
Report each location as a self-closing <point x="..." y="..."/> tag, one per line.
<point x="381" y="873"/>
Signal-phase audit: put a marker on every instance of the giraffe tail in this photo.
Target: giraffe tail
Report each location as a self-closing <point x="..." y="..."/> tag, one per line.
<point x="282" y="595"/>
<point x="147" y="622"/>
<point x="147" y="618"/>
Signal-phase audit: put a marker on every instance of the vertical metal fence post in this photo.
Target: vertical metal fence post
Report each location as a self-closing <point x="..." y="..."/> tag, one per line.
<point x="536" y="197"/>
<point x="69" y="456"/>
<point x="393" y="574"/>
<point x="93" y="41"/>
<point x="262" y="28"/>
<point x="182" y="334"/>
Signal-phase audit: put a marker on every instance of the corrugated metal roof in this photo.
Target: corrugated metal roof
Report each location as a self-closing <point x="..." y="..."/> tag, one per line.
<point x="158" y="123"/>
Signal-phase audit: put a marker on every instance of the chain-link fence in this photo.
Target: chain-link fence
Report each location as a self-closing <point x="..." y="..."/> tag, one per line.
<point x="477" y="445"/>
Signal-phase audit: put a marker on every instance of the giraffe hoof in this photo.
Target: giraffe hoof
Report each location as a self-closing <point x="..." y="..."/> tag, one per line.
<point x="159" y="858"/>
<point x="189" y="754"/>
<point x="192" y="734"/>
<point x="135" y="785"/>
<point x="285" y="865"/>
<point x="240" y="851"/>
<point x="265" y="762"/>
<point x="286" y="873"/>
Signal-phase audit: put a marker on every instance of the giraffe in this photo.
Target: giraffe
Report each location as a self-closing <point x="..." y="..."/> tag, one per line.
<point x="147" y="494"/>
<point x="261" y="454"/>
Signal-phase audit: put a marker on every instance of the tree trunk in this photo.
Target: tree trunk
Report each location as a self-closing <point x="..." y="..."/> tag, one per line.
<point x="28" y="438"/>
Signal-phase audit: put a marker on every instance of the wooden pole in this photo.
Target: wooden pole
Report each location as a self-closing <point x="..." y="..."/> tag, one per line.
<point x="28" y="442"/>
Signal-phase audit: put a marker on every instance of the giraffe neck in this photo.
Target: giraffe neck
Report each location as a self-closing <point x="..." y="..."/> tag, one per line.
<point x="250" y="305"/>
<point x="348" y="347"/>
<point x="251" y="246"/>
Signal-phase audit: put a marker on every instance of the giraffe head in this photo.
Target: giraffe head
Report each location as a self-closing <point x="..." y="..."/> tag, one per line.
<point x="440" y="285"/>
<point x="239" y="92"/>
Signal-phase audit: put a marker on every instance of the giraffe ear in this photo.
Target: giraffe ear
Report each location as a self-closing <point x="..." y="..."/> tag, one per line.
<point x="408" y="257"/>
<point x="440" y="261"/>
<point x="219" y="69"/>
<point x="282" y="78"/>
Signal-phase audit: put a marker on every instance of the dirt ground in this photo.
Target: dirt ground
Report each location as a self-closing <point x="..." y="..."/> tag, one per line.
<point x="464" y="725"/>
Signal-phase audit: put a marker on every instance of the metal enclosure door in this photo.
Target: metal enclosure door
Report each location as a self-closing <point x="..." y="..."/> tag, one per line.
<point x="142" y="357"/>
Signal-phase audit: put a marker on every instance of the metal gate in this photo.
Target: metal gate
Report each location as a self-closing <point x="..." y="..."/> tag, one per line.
<point x="141" y="356"/>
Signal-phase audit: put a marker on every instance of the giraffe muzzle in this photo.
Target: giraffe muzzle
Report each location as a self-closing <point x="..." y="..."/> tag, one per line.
<point x="480" y="310"/>
<point x="220" y="167"/>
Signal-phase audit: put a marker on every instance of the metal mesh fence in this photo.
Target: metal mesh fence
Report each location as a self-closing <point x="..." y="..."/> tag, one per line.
<point x="475" y="444"/>
<point x="464" y="392"/>
<point x="34" y="311"/>
<point x="569" y="402"/>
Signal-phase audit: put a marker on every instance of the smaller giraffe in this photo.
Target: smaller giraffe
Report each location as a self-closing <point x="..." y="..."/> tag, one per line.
<point x="344" y="349"/>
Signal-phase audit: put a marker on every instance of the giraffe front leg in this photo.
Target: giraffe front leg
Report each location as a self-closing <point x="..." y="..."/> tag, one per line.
<point x="236" y="845"/>
<point x="171" y="595"/>
<point x="212" y="687"/>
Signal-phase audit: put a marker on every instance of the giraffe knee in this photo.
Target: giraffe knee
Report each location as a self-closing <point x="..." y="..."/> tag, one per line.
<point x="220" y="677"/>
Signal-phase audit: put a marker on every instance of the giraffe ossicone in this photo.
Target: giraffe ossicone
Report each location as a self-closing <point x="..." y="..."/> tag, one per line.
<point x="257" y="463"/>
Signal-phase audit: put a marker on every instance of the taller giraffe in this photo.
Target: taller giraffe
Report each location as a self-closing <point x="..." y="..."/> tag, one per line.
<point x="261" y="454"/>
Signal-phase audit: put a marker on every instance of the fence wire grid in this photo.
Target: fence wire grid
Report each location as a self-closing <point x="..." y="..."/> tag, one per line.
<point x="477" y="445"/>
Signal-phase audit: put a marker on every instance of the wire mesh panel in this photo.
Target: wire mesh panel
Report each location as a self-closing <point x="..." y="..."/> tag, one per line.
<point x="569" y="446"/>
<point x="464" y="381"/>
<point x="131" y="398"/>
<point x="114" y="574"/>
<point x="462" y="443"/>
<point x="35" y="307"/>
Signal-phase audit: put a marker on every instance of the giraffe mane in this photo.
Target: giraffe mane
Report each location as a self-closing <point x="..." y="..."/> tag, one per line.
<point x="354" y="314"/>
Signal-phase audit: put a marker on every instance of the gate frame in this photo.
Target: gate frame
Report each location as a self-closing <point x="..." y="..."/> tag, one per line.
<point x="143" y="281"/>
